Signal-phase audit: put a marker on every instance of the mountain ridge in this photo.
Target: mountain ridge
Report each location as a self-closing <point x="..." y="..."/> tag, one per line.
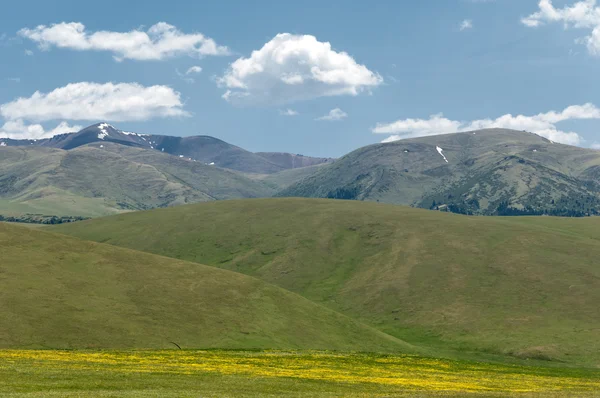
<point x="487" y="172"/>
<point x="203" y="148"/>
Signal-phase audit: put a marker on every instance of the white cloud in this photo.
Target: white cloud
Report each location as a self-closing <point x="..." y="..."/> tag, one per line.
<point x="193" y="69"/>
<point x="582" y="14"/>
<point x="159" y="42"/>
<point x="543" y="124"/>
<point x="466" y="24"/>
<point x="595" y="145"/>
<point x="29" y="53"/>
<point x="288" y="112"/>
<point x="93" y="101"/>
<point x="334" y="115"/>
<point x="295" y="67"/>
<point x="18" y="130"/>
<point x="436" y="124"/>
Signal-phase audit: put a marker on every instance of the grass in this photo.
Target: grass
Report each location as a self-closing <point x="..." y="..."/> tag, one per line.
<point x="221" y="373"/>
<point x="61" y="292"/>
<point x="463" y="287"/>
<point x="99" y="180"/>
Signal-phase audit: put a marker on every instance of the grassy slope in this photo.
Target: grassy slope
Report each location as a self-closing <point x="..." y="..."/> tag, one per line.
<point x="93" y="181"/>
<point x="61" y="292"/>
<point x="511" y="286"/>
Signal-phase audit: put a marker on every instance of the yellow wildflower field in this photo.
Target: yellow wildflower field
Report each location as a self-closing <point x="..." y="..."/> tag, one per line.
<point x="329" y="372"/>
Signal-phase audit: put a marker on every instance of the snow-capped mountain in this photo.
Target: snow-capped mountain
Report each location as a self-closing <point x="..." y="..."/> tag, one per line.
<point x="206" y="149"/>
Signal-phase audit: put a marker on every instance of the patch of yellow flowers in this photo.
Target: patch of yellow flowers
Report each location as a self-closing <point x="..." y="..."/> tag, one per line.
<point x="410" y="372"/>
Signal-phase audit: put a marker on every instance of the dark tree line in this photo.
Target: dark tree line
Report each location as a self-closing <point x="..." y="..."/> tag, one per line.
<point x="41" y="219"/>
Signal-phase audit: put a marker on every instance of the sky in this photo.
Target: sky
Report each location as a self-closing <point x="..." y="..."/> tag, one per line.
<point x="312" y="77"/>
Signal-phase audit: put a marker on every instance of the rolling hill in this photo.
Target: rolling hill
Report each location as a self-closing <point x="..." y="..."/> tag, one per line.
<point x="60" y="292"/>
<point x="201" y="148"/>
<point x="107" y="178"/>
<point x="521" y="287"/>
<point x="488" y="172"/>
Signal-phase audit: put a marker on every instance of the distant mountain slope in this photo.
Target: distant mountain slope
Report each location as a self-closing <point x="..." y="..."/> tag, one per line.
<point x="105" y="178"/>
<point x="283" y="179"/>
<point x="527" y="287"/>
<point x="212" y="150"/>
<point x="59" y="292"/>
<point x="483" y="172"/>
<point x="204" y="149"/>
<point x="291" y="161"/>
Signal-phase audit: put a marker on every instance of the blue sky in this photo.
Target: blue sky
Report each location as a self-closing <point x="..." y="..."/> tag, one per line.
<point x="405" y="61"/>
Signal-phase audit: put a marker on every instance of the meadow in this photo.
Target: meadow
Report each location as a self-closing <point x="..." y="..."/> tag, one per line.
<point x="206" y="373"/>
<point x="300" y="297"/>
<point x="460" y="286"/>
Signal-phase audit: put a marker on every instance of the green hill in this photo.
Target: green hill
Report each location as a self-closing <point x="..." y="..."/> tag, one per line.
<point x="107" y="178"/>
<point x="489" y="172"/>
<point x="61" y="292"/>
<point x="524" y="287"/>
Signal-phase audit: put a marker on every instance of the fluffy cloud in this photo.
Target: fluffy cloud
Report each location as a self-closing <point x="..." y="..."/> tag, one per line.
<point x="295" y="67"/>
<point x="93" y="101"/>
<point x="17" y="129"/>
<point x="582" y="14"/>
<point x="334" y="115"/>
<point x="159" y="42"/>
<point x="543" y="124"/>
<point x="466" y="24"/>
<point x="288" y="112"/>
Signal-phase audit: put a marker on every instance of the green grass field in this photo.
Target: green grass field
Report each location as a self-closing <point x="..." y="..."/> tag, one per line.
<point x="61" y="292"/>
<point x="406" y="302"/>
<point x="220" y="373"/>
<point x="467" y="287"/>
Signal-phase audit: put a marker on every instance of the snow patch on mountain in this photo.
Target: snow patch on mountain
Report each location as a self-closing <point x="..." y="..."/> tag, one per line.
<point x="103" y="133"/>
<point x="440" y="150"/>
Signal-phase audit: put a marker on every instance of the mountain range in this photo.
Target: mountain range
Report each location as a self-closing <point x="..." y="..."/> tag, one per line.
<point x="102" y="170"/>
<point x="488" y="172"/>
<point x="202" y="148"/>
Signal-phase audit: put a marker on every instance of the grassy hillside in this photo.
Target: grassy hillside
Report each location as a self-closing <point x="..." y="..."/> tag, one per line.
<point x="527" y="288"/>
<point x="491" y="172"/>
<point x="109" y="178"/>
<point x="61" y="292"/>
